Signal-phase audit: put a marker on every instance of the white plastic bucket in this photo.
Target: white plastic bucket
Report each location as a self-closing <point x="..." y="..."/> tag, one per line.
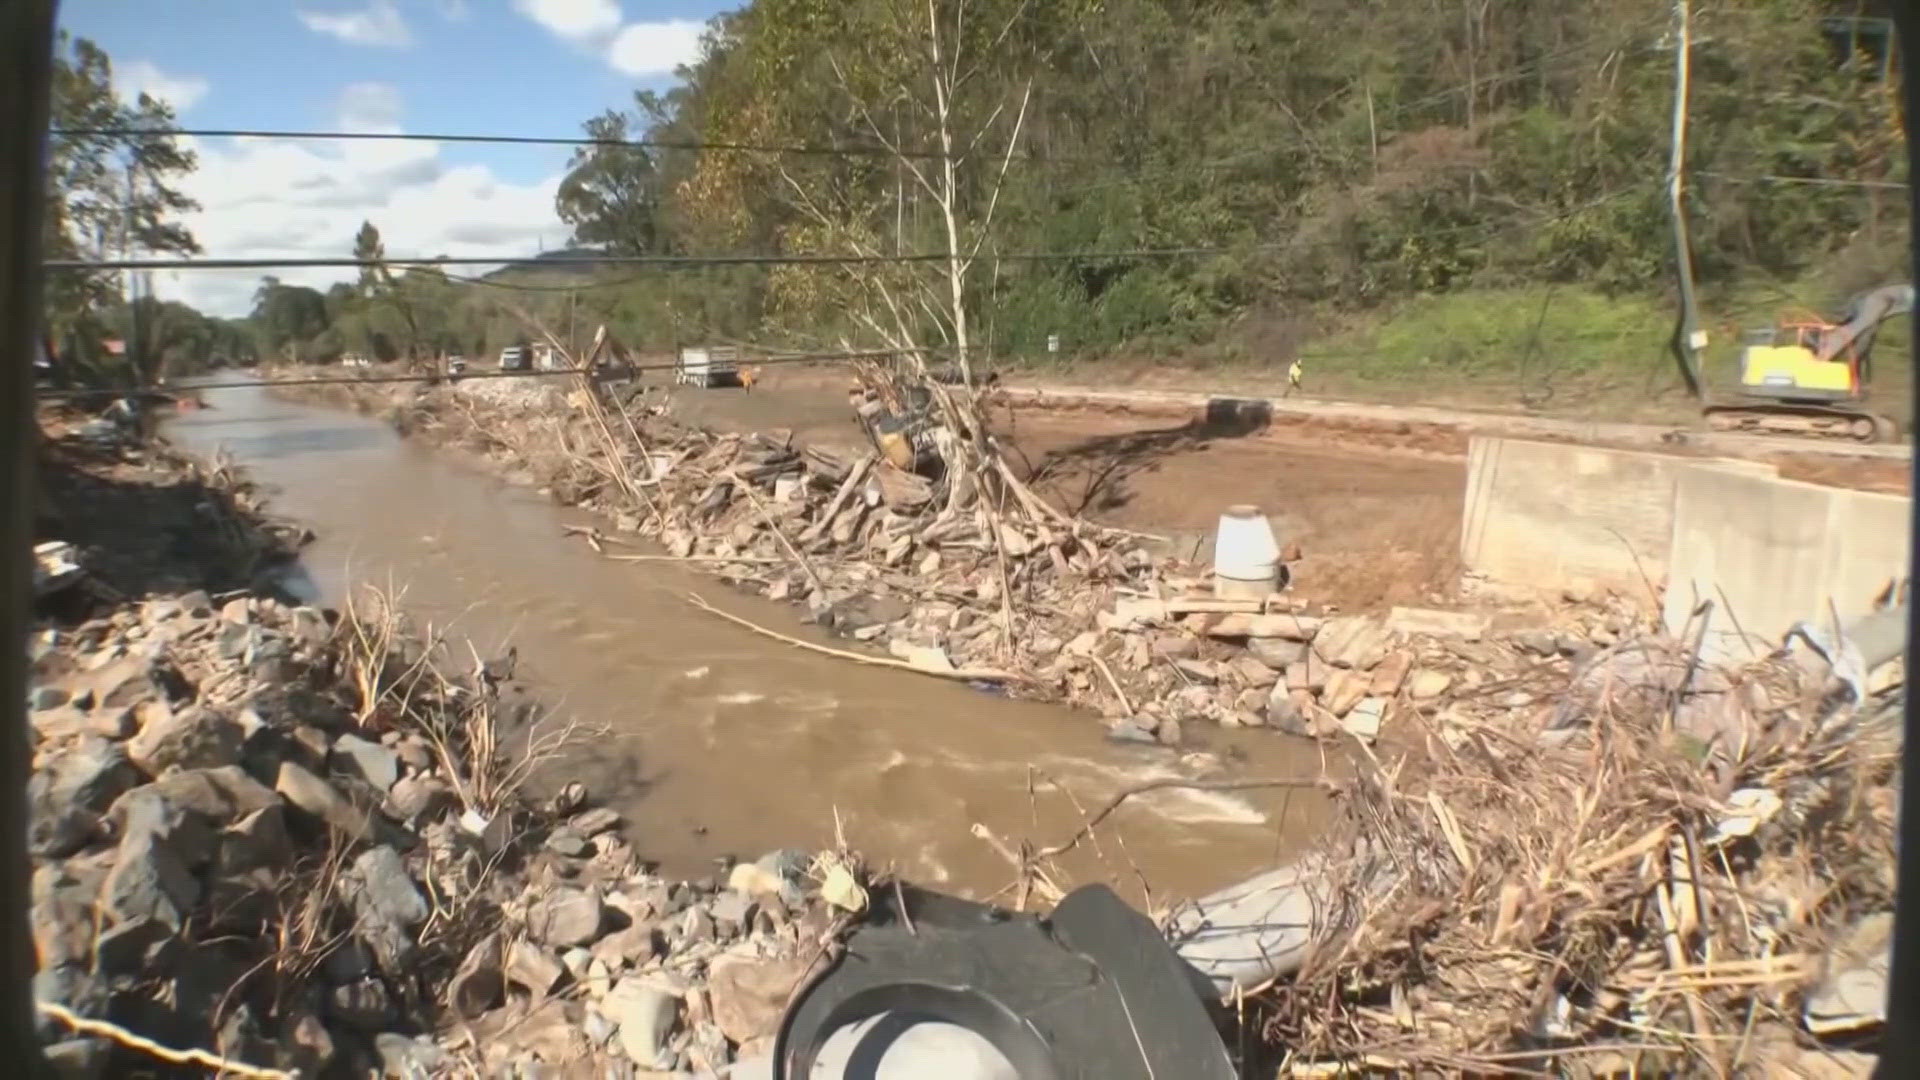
<point x="1246" y="557"/>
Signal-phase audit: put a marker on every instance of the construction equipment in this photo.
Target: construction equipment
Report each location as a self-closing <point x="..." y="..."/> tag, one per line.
<point x="715" y="365"/>
<point x="1811" y="377"/>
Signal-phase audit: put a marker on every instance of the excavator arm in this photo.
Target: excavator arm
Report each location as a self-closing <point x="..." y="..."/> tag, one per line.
<point x="1862" y="321"/>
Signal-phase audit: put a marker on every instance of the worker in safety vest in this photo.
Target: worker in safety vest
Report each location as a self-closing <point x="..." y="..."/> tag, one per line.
<point x="749" y="376"/>
<point x="1293" y="376"/>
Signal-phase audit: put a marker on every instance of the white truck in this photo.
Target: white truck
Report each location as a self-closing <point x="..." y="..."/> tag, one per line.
<point x="515" y="358"/>
<point x="708" y="367"/>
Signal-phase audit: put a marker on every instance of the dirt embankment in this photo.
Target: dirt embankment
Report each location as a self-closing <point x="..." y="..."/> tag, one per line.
<point x="268" y="836"/>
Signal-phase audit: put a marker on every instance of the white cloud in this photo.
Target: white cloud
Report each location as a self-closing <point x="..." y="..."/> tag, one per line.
<point x="574" y="20"/>
<point x="130" y="80"/>
<point x="637" y="49"/>
<point x="655" y="48"/>
<point x="368" y="106"/>
<point x="453" y="9"/>
<point x="379" y="24"/>
<point x="268" y="198"/>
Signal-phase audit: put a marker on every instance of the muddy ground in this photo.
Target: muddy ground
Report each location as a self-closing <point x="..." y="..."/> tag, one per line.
<point x="1375" y="507"/>
<point x="1372" y="502"/>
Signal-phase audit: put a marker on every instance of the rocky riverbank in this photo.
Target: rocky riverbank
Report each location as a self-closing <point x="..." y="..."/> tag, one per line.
<point x="301" y="839"/>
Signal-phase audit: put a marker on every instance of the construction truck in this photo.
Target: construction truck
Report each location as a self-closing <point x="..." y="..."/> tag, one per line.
<point x="714" y="365"/>
<point x="1811" y="377"/>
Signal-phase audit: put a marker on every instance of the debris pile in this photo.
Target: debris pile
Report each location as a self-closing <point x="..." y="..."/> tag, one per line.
<point x="965" y="573"/>
<point x="273" y="837"/>
<point x="200" y="523"/>
<point x="1599" y="855"/>
<point x="1675" y="869"/>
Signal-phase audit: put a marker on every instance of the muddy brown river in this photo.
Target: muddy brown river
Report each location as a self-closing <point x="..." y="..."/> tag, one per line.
<point x="722" y="742"/>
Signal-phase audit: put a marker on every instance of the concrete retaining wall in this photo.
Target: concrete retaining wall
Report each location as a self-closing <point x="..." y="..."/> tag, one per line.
<point x="1768" y="552"/>
<point x="1551" y="515"/>
<point x="1771" y="552"/>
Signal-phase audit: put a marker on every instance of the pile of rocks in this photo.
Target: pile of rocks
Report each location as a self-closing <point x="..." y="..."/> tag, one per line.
<point x="1251" y="664"/>
<point x="237" y="847"/>
<point x="513" y="391"/>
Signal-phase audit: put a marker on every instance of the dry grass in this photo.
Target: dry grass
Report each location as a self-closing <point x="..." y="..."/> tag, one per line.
<point x="404" y="679"/>
<point x="1577" y="909"/>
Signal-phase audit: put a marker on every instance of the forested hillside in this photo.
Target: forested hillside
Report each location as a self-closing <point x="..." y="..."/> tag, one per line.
<point x="1412" y="198"/>
<point x="1487" y="176"/>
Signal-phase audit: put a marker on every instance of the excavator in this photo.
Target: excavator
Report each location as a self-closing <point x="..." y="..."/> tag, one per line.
<point x="1810" y="377"/>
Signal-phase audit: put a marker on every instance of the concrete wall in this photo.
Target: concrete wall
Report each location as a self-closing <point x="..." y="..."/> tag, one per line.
<point x="1771" y="552"/>
<point x="1550" y="515"/>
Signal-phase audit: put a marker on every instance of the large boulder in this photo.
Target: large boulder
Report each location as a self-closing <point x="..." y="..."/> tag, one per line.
<point x="749" y="993"/>
<point x="387" y="906"/>
<point x="150" y="878"/>
<point x="190" y="737"/>
<point x="323" y="801"/>
<point x="365" y="760"/>
<point x="66" y="798"/>
<point x="645" y="1014"/>
<point x="567" y="916"/>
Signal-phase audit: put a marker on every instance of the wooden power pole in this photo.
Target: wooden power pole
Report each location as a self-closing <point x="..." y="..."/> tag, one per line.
<point x="1688" y="338"/>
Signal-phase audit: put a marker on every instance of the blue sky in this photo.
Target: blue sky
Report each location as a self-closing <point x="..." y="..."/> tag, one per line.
<point x="511" y="67"/>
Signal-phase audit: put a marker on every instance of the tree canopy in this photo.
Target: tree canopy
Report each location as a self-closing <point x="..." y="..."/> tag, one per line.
<point x="1340" y="155"/>
<point x="110" y="192"/>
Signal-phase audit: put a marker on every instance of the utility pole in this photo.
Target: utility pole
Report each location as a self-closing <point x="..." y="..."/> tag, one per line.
<point x="1903" y="998"/>
<point x="1688" y="338"/>
<point x="26" y="60"/>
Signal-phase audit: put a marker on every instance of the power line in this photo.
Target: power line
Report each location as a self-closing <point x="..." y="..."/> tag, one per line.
<point x="798" y="149"/>
<point x="695" y="145"/>
<point x="699" y="261"/>
<point x="772" y="357"/>
<point x="670" y="261"/>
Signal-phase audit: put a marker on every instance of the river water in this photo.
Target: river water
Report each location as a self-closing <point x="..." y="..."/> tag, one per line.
<point x="722" y="742"/>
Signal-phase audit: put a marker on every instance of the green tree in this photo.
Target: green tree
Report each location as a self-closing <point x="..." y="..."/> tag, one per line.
<point x="290" y="320"/>
<point x="371" y="254"/>
<point x="380" y="296"/>
<point x="112" y="187"/>
<point x="1337" y="160"/>
<point x="611" y="194"/>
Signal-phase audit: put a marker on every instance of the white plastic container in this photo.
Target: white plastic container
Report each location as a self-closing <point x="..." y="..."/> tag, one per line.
<point x="1246" y="557"/>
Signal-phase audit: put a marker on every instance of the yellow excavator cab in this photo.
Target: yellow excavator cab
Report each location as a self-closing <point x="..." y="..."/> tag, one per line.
<point x="1794" y="371"/>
